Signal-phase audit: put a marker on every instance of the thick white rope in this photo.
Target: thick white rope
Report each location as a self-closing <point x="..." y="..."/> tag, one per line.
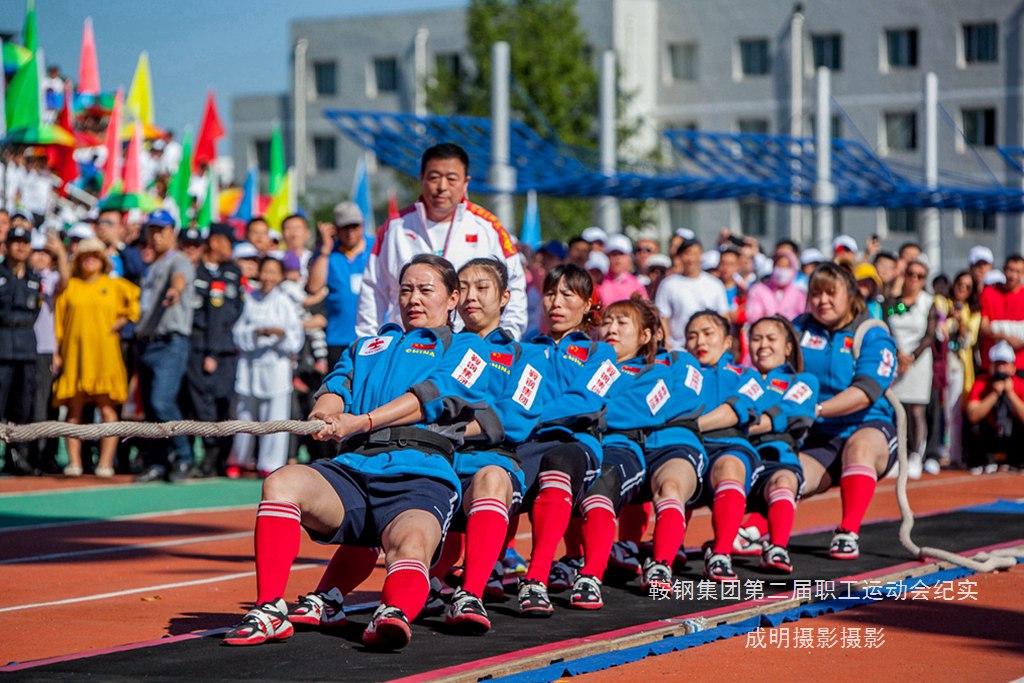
<point x="12" y="433"/>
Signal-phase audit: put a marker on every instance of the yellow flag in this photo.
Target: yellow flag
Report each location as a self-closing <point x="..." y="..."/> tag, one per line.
<point x="283" y="203"/>
<point x="140" y="95"/>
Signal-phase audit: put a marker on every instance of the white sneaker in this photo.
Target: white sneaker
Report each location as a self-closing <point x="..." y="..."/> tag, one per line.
<point x="914" y="466"/>
<point x="931" y="466"/>
<point x="975" y="471"/>
<point x="991" y="468"/>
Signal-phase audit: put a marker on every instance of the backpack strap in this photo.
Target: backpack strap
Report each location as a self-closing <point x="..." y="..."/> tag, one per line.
<point x="862" y="330"/>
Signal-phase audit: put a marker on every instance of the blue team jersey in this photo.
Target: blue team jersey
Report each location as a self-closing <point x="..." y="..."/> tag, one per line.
<point x="685" y="400"/>
<point x="637" y="401"/>
<point x="448" y="373"/>
<point x="582" y="372"/>
<point x="828" y="355"/>
<point x="789" y="400"/>
<point x="736" y="386"/>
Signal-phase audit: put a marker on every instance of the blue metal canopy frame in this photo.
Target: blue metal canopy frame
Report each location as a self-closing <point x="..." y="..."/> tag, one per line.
<point x="712" y="166"/>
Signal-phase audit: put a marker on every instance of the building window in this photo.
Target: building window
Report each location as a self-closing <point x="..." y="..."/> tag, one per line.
<point x="901" y="48"/>
<point x="980" y="127"/>
<point x="263" y="154"/>
<point x="902" y="221"/>
<point x="753" y="125"/>
<point x="828" y="51"/>
<point x="325" y="78"/>
<point x="754" y="57"/>
<point x="980" y="43"/>
<point x="753" y="217"/>
<point x="682" y="61"/>
<point x="980" y="221"/>
<point x="449" y="63"/>
<point x="901" y="131"/>
<point x="385" y="73"/>
<point x="325" y="153"/>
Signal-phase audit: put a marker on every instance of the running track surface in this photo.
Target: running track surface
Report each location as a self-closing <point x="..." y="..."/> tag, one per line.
<point x="85" y="567"/>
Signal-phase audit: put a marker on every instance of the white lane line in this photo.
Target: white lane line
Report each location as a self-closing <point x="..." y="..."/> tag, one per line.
<point x="89" y="489"/>
<point x="146" y="589"/>
<point x="127" y="548"/>
<point x="129" y="518"/>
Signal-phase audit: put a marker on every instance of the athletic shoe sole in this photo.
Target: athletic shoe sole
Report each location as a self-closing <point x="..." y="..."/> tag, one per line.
<point x="470" y="624"/>
<point x="391" y="634"/>
<point x="586" y="605"/>
<point x="844" y="556"/>
<point x="316" y="623"/>
<point x="773" y="567"/>
<point x="283" y="635"/>
<point x="537" y="612"/>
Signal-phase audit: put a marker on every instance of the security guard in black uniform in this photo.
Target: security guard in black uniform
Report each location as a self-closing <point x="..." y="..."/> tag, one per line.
<point x="210" y="378"/>
<point x="21" y="295"/>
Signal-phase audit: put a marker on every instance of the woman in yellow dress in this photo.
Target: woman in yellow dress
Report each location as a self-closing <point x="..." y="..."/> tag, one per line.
<point x="88" y="315"/>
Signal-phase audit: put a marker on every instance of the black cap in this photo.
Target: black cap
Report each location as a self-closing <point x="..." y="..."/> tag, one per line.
<point x="686" y="244"/>
<point x="222" y="229"/>
<point x="192" y="236"/>
<point x="19" y="233"/>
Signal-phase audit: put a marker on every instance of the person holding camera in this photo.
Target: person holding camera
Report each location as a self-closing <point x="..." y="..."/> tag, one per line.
<point x="995" y="410"/>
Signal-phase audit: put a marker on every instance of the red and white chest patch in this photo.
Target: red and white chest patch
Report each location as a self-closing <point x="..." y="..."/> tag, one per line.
<point x="887" y="364"/>
<point x="374" y="345"/>
<point x="529" y="385"/>
<point x="752" y="389"/>
<point x="657" y="397"/>
<point x="798" y="393"/>
<point x="694" y="380"/>
<point x="813" y="341"/>
<point x="469" y="369"/>
<point x="604" y="378"/>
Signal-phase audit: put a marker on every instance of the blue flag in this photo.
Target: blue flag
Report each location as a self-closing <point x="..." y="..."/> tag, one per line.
<point x="361" y="196"/>
<point x="250" y="196"/>
<point x="530" y="234"/>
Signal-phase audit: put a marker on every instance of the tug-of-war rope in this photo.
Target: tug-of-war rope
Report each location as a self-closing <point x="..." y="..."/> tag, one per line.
<point x="12" y="433"/>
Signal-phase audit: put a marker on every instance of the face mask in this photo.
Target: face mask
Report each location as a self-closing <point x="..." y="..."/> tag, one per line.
<point x="781" y="277"/>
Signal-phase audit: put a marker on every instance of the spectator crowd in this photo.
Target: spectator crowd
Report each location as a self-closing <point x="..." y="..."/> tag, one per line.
<point x="125" y="315"/>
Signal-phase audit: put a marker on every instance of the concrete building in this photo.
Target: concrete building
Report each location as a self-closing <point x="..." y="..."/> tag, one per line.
<point x="727" y="65"/>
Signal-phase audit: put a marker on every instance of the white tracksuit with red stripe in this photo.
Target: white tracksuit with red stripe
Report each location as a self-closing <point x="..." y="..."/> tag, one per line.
<point x="474" y="232"/>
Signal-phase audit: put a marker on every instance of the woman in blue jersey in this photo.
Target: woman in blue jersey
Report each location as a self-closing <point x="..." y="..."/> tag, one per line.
<point x="563" y="454"/>
<point x="492" y="481"/>
<point x="853" y="441"/>
<point x="392" y="486"/>
<point x="789" y="398"/>
<point x="635" y="406"/>
<point x="735" y="391"/>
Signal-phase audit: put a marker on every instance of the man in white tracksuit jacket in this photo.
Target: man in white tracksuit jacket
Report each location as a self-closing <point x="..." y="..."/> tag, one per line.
<point x="445" y="223"/>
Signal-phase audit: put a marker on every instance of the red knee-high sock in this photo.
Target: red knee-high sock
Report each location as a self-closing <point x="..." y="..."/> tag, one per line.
<point x="781" y="513"/>
<point x="757" y="520"/>
<point x="485" y="539"/>
<point x="574" y="538"/>
<point x="633" y="522"/>
<point x="551" y="512"/>
<point x="277" y="540"/>
<point x="349" y="567"/>
<point x="598" y="534"/>
<point x="856" y="486"/>
<point x="669" y="529"/>
<point x="727" y="513"/>
<point x="406" y="587"/>
<point x="513" y="530"/>
<point x="451" y="551"/>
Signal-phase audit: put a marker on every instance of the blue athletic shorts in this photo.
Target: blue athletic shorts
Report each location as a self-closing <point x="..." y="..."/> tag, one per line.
<point x="659" y="456"/>
<point x="373" y="501"/>
<point x="827" y="449"/>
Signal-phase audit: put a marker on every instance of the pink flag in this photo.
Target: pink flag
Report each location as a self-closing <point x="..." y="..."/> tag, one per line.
<point x="112" y="141"/>
<point x="88" y="68"/>
<point x="132" y="176"/>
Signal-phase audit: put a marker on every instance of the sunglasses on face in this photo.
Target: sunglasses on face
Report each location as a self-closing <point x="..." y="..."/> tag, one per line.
<point x="645" y="250"/>
<point x="916" y="276"/>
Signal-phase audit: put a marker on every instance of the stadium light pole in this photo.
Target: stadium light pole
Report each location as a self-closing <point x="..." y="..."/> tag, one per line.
<point x="930" y="240"/>
<point x="796" y="116"/>
<point x="608" y="213"/>
<point x="300" y="116"/>
<point x="824" y="190"/>
<point x="420" y="69"/>
<point x="502" y="176"/>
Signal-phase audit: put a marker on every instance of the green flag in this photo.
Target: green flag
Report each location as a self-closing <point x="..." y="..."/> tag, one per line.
<point x="277" y="169"/>
<point x="178" y="189"/>
<point x="206" y="215"/>
<point x="28" y="34"/>
<point x="23" y="97"/>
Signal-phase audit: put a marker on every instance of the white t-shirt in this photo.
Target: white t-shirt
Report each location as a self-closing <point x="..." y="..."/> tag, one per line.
<point x="679" y="297"/>
<point x="438" y="233"/>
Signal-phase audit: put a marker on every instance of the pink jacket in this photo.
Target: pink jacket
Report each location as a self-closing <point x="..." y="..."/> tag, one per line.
<point x="765" y="299"/>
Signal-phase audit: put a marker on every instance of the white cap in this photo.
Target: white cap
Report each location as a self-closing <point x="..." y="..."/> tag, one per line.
<point x="1002" y="352"/>
<point x="710" y="259"/>
<point x="844" y="242"/>
<point x="979" y="254"/>
<point x="657" y="260"/>
<point x="275" y="235"/>
<point x="38" y="241"/>
<point x="594" y="234"/>
<point x="994" y="277"/>
<point x="686" y="234"/>
<point x="619" y="243"/>
<point x="81" y="231"/>
<point x="811" y="256"/>
<point x="597" y="261"/>
<point x="244" y="250"/>
<point x="763" y="265"/>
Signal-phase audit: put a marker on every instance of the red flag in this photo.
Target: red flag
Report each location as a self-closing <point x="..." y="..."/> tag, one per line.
<point x="88" y="68"/>
<point x="210" y="130"/>
<point x="392" y="204"/>
<point x="112" y="141"/>
<point x="132" y="175"/>
<point x="62" y="159"/>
